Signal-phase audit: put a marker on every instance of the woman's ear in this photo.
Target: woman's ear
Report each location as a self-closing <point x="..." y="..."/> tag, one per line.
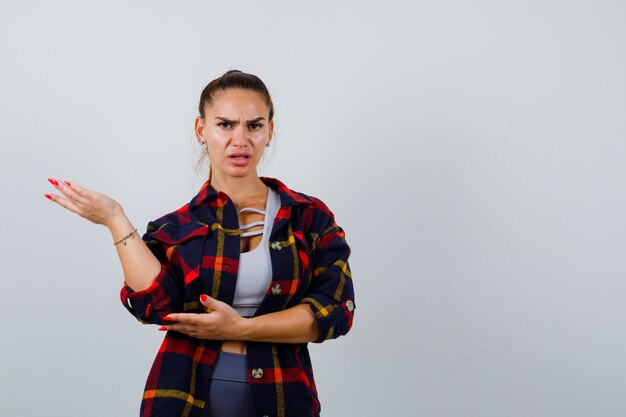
<point x="271" y="126"/>
<point x="199" y="127"/>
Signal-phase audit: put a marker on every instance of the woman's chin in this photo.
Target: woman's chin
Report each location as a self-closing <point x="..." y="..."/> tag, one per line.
<point x="239" y="172"/>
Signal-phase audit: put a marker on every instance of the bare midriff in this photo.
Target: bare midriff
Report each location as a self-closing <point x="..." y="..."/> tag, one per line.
<point x="234" y="346"/>
<point x="247" y="244"/>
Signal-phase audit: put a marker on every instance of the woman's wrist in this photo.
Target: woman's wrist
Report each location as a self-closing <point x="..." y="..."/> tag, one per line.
<point x="119" y="225"/>
<point x="245" y="329"/>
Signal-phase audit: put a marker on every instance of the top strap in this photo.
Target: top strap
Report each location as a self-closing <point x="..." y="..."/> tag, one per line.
<point x="252" y="224"/>
<point x="256" y="210"/>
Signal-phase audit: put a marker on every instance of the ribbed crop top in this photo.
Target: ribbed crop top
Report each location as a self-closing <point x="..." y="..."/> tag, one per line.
<point x="255" y="267"/>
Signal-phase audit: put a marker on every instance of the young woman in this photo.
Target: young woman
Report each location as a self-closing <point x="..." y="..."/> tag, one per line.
<point x="242" y="277"/>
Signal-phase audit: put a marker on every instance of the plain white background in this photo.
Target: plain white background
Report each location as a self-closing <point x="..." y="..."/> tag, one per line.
<point x="474" y="152"/>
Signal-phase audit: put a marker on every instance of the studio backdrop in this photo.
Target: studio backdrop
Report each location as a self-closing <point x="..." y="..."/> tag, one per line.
<point x="473" y="151"/>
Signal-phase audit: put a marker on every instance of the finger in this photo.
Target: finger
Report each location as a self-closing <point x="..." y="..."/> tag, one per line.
<point x="65" y="190"/>
<point x="182" y="318"/>
<point x="70" y="192"/>
<point x="80" y="190"/>
<point x="174" y="329"/>
<point x="185" y="329"/>
<point x="63" y="202"/>
<point x="209" y="302"/>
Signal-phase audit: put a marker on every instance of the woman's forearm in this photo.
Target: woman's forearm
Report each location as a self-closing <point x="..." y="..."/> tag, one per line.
<point x="139" y="264"/>
<point x="294" y="325"/>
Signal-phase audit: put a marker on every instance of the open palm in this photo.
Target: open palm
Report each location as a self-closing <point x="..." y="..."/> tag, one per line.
<point x="91" y="205"/>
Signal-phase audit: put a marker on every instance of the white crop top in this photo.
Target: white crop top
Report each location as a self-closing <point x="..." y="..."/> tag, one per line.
<point x="255" y="267"/>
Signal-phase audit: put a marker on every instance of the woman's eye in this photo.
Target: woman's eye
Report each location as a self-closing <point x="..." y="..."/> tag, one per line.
<point x="255" y="126"/>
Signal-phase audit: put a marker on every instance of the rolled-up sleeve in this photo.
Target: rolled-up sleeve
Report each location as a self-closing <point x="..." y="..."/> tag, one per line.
<point x="165" y="294"/>
<point x="331" y="294"/>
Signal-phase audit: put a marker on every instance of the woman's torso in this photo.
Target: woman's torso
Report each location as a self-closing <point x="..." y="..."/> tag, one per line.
<point x="255" y="253"/>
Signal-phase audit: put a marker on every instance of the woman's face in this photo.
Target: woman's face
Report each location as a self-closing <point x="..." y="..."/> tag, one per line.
<point x="235" y="130"/>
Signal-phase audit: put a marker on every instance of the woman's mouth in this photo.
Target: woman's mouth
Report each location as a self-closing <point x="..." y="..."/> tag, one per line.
<point x="239" y="159"/>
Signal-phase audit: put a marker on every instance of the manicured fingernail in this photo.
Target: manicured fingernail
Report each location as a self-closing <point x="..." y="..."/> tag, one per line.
<point x="162" y="328"/>
<point x="68" y="183"/>
<point x="53" y="181"/>
<point x="203" y="298"/>
<point x="48" y="196"/>
<point x="168" y="318"/>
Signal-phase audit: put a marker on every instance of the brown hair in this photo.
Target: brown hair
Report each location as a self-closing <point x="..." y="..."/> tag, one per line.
<point x="235" y="79"/>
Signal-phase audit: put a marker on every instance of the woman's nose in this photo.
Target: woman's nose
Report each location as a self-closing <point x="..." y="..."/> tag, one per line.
<point x="239" y="136"/>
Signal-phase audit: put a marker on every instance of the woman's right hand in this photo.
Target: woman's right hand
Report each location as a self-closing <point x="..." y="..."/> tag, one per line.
<point x="139" y="264"/>
<point x="93" y="206"/>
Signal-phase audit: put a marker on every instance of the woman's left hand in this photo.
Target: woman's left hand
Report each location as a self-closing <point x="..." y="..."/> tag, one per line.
<point x="222" y="323"/>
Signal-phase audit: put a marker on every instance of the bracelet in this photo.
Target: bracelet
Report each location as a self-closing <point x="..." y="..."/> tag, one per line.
<point x="123" y="240"/>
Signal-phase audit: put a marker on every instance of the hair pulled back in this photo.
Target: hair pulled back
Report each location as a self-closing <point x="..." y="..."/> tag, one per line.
<point x="233" y="79"/>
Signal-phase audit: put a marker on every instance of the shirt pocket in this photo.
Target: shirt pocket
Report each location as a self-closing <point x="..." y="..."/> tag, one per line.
<point x="181" y="248"/>
<point x="177" y="234"/>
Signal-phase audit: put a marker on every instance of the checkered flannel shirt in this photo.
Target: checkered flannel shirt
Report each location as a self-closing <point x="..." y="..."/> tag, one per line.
<point x="198" y="246"/>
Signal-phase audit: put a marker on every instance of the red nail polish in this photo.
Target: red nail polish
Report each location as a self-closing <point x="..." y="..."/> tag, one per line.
<point x="48" y="196"/>
<point x="168" y="318"/>
<point x="203" y="298"/>
<point x="68" y="183"/>
<point x="162" y="328"/>
<point x="53" y="181"/>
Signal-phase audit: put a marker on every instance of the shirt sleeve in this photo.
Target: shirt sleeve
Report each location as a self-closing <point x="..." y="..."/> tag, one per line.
<point x="165" y="294"/>
<point x="331" y="294"/>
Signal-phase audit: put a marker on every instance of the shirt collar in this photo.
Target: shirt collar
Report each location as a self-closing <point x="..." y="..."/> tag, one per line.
<point x="288" y="197"/>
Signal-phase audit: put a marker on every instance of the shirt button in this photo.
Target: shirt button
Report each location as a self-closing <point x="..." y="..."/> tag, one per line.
<point x="276" y="289"/>
<point x="350" y="305"/>
<point x="276" y="246"/>
<point x="257" y="373"/>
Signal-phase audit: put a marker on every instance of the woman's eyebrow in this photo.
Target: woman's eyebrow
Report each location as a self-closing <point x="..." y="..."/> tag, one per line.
<point x="224" y="119"/>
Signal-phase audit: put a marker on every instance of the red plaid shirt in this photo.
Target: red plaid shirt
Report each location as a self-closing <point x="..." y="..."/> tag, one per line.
<point x="198" y="246"/>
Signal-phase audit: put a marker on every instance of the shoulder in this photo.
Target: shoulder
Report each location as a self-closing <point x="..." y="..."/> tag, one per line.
<point x="289" y="196"/>
<point x="313" y="212"/>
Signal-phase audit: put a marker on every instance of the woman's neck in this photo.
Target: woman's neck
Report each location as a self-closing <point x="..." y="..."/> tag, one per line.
<point x="239" y="188"/>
